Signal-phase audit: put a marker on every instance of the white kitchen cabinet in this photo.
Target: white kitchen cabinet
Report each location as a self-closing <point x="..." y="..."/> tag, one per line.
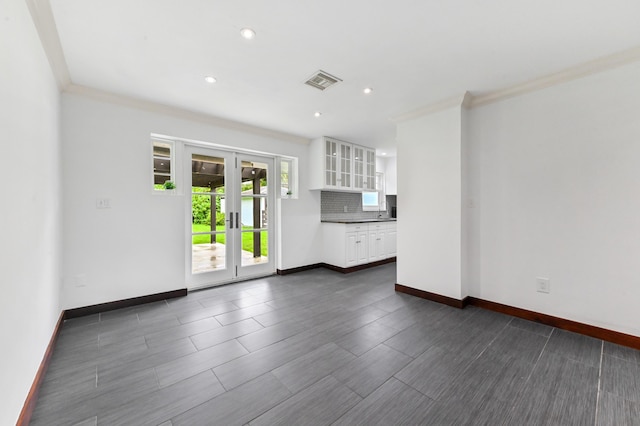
<point x="390" y="241"/>
<point x="349" y="245"/>
<point x="351" y="249"/>
<point x="356" y="248"/>
<point x="362" y="247"/>
<point x="364" y="168"/>
<point x="370" y="167"/>
<point x="342" y="166"/>
<point x="377" y="234"/>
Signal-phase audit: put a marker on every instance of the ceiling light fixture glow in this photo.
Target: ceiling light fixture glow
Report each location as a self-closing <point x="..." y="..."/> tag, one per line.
<point x="317" y="114"/>
<point x="367" y="90"/>
<point x="247" y="33"/>
<point x="210" y="79"/>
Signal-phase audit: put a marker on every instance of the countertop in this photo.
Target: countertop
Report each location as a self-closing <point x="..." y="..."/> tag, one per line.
<point x="383" y="219"/>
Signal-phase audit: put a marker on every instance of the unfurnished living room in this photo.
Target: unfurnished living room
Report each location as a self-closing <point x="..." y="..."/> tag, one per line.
<point x="320" y="213"/>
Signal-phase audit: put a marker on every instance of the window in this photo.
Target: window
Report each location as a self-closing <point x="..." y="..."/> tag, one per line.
<point x="380" y="187"/>
<point x="163" y="166"/>
<point x="288" y="177"/>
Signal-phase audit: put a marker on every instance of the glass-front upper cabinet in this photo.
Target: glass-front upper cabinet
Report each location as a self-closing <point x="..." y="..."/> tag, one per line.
<point x="364" y="168"/>
<point x="370" y="165"/>
<point x="342" y="166"/>
<point x="338" y="159"/>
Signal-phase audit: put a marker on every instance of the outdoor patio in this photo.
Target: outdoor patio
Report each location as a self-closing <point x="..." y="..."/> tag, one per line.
<point x="211" y="257"/>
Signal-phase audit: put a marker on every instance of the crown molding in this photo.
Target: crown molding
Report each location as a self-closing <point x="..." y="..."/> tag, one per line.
<point x="100" y="95"/>
<point x="585" y="69"/>
<point x="467" y="100"/>
<point x="460" y="100"/>
<point x="42" y="17"/>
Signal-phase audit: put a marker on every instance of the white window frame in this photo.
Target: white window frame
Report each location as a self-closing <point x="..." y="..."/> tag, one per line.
<point x="382" y="194"/>
<point x="292" y="163"/>
<point x="172" y="161"/>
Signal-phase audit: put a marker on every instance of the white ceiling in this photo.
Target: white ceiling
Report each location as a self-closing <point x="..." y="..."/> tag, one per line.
<point x="412" y="52"/>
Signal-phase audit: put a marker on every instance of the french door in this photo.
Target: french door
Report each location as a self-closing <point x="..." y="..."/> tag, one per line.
<point x="229" y="216"/>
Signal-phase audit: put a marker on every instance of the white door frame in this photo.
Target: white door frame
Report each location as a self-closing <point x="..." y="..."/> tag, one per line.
<point x="233" y="270"/>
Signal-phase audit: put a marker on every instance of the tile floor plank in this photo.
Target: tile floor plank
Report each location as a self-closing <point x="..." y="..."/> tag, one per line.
<point x="369" y="371"/>
<point x="238" y="406"/>
<point x="308" y="369"/>
<point x="162" y="405"/>
<point x="394" y="403"/>
<point x="319" y="404"/>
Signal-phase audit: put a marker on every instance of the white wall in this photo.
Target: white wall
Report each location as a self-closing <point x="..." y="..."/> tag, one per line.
<point x="556" y="184"/>
<point x="391" y="175"/>
<point x="429" y="203"/>
<point x="30" y="211"/>
<point x="137" y="246"/>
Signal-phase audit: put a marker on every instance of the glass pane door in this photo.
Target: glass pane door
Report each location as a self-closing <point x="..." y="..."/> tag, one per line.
<point x="210" y="255"/>
<point x="229" y="214"/>
<point x="255" y="182"/>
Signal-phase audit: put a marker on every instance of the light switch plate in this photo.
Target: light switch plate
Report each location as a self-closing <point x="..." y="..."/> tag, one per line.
<point x="103" y="203"/>
<point x="543" y="285"/>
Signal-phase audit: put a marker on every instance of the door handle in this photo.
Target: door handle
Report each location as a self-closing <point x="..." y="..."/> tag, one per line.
<point x="231" y="220"/>
<point x="237" y="221"/>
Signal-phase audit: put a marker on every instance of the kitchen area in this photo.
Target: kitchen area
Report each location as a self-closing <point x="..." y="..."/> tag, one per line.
<point x="358" y="204"/>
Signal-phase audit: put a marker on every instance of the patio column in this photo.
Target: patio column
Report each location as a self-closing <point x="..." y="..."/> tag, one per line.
<point x="214" y="210"/>
<point x="257" y="249"/>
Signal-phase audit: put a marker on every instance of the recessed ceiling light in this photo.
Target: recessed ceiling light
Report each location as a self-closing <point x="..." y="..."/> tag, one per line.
<point x="367" y="90"/>
<point x="247" y="33"/>
<point x="317" y="114"/>
<point x="384" y="153"/>
<point x="210" y="79"/>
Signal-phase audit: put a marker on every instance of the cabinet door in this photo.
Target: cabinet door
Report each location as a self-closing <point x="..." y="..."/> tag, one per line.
<point x="380" y="238"/>
<point x="331" y="163"/>
<point x="358" y="167"/>
<point x="362" y="249"/>
<point x="390" y="242"/>
<point x="351" y="240"/>
<point x="370" y="169"/>
<point x="345" y="166"/>
<point x="376" y="245"/>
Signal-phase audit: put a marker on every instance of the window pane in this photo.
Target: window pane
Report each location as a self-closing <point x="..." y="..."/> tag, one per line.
<point x="285" y="187"/>
<point x="207" y="172"/>
<point x="253" y="212"/>
<point x="254" y="178"/>
<point x="207" y="209"/>
<point x="162" y="164"/>
<point x="207" y="256"/>
<point x="255" y="247"/>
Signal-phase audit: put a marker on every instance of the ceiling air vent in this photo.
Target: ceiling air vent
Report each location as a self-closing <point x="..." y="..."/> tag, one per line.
<point x="322" y="80"/>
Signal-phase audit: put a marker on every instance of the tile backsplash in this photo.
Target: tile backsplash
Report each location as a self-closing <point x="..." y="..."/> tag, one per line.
<point x="332" y="206"/>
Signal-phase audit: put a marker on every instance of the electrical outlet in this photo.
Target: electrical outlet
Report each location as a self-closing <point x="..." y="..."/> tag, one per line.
<point x="346" y="210"/>
<point x="81" y="280"/>
<point x="543" y="285"/>
<point x="103" y="203"/>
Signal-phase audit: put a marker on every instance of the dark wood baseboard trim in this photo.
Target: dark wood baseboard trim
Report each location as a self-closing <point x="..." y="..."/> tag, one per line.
<point x="359" y="267"/>
<point x="564" y="324"/>
<point x="125" y="303"/>
<point x="450" y="301"/>
<point x="299" y="269"/>
<point x="32" y="396"/>
<point x="336" y="268"/>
